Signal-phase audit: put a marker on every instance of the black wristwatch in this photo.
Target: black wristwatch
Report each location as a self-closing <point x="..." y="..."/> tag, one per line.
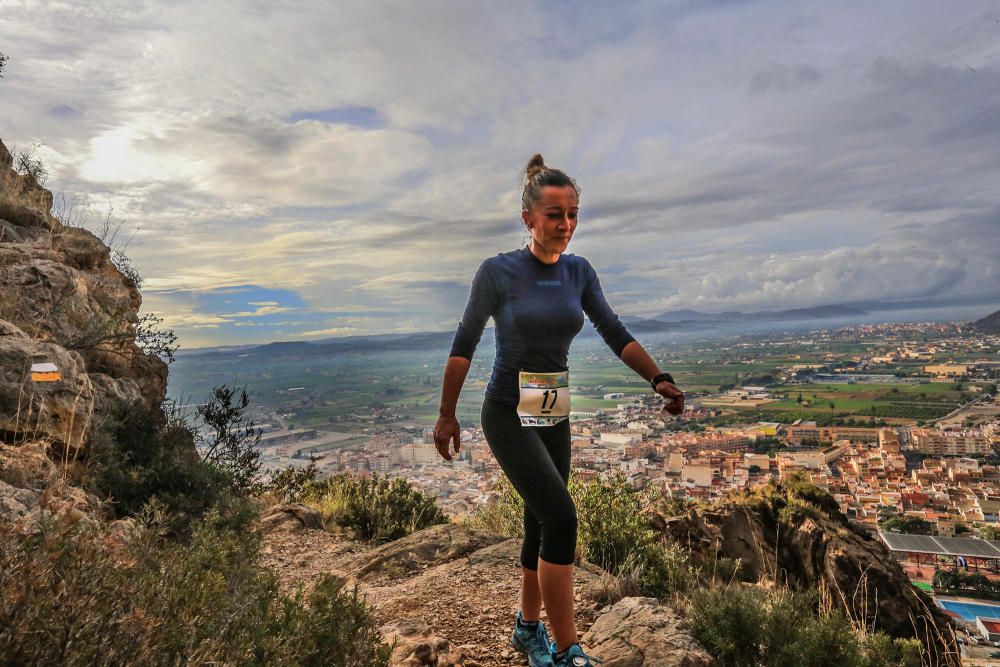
<point x="662" y="377"/>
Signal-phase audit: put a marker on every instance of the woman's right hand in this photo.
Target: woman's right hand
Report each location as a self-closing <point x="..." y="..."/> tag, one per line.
<point x="445" y="430"/>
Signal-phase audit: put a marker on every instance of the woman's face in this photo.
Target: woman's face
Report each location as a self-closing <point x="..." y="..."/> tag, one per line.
<point x="553" y="218"/>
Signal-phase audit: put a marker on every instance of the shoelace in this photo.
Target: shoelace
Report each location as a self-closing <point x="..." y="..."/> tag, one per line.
<point x="553" y="651"/>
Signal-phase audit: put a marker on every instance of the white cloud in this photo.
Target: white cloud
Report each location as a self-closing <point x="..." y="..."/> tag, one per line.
<point x="731" y="155"/>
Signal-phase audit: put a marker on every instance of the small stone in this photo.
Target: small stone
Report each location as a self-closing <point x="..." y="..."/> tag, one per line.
<point x="423" y="650"/>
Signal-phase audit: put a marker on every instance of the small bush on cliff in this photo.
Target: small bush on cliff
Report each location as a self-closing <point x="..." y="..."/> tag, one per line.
<point x="74" y="595"/>
<point x="140" y="455"/>
<point x="134" y="460"/>
<point x="378" y="509"/>
<point x="749" y="626"/>
<point x="792" y="500"/>
<point x="290" y="484"/>
<point x="25" y="162"/>
<point x="504" y="513"/>
<point x="232" y="440"/>
<point x="613" y="533"/>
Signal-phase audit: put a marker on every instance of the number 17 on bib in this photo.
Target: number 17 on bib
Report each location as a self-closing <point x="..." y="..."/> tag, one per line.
<point x="544" y="398"/>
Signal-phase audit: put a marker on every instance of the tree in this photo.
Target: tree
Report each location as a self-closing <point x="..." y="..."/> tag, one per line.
<point x="232" y="439"/>
<point x="799" y="399"/>
<point x="989" y="532"/>
<point x="3" y="63"/>
<point x="945" y="579"/>
<point x="910" y="525"/>
<point x="25" y="162"/>
<point x="832" y="406"/>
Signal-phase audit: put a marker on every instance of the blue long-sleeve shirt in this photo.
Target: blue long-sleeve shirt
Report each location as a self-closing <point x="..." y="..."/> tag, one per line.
<point x="537" y="309"/>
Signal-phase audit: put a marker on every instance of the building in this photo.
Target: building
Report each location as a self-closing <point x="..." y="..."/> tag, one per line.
<point x="989" y="628"/>
<point x="700" y="474"/>
<point x="418" y="454"/>
<point x="947" y="370"/>
<point x="949" y="443"/>
<point x="620" y="440"/>
<point x="798" y="431"/>
<point x="852" y="433"/>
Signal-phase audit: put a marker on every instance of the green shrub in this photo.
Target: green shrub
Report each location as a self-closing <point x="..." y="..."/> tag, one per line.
<point x="611" y="523"/>
<point x="232" y="440"/>
<point x="612" y="532"/>
<point x="504" y="513"/>
<point x="134" y="460"/>
<point x="749" y="626"/>
<point x="291" y="484"/>
<point x="797" y="510"/>
<point x="881" y="650"/>
<point x="72" y="595"/>
<point x="792" y="500"/>
<point x="666" y="569"/>
<point x="798" y="486"/>
<point x="378" y="509"/>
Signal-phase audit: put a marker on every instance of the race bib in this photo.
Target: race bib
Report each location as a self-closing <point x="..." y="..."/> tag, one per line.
<point x="544" y="398"/>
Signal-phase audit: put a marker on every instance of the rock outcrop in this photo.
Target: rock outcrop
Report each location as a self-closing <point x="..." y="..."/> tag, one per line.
<point x="813" y="546"/>
<point x="32" y="489"/>
<point x="63" y="302"/>
<point x="641" y="632"/>
<point x="292" y="517"/>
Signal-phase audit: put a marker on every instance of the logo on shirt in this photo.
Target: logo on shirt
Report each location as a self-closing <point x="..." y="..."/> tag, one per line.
<point x="548" y="283"/>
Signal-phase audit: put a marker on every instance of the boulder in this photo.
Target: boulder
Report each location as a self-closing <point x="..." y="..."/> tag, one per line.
<point x="90" y="311"/>
<point x="27" y="466"/>
<point x="418" y="646"/>
<point x="61" y="411"/>
<point x="9" y="329"/>
<point x="425" y="548"/>
<point x="72" y="502"/>
<point x="292" y="517"/>
<point x="22" y="200"/>
<point x="641" y="632"/>
<point x="15" y="502"/>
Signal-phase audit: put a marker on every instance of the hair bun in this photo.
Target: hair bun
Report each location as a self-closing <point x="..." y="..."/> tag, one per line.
<point x="535" y="166"/>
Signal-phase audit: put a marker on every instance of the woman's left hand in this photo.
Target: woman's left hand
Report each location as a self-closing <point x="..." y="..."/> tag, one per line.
<point x="674" y="403"/>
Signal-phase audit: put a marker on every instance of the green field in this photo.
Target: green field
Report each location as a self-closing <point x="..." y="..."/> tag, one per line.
<point x="381" y="388"/>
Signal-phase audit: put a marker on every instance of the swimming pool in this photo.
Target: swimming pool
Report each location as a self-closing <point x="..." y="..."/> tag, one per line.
<point x="970" y="610"/>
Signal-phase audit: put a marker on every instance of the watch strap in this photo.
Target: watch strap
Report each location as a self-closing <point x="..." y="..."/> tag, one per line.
<point x="662" y="377"/>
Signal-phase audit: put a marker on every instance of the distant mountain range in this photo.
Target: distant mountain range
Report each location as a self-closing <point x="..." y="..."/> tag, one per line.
<point x="989" y="324"/>
<point x="671" y="320"/>
<point x="817" y="312"/>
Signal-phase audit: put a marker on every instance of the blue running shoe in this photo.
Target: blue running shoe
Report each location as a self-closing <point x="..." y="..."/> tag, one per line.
<point x="574" y="657"/>
<point x="533" y="642"/>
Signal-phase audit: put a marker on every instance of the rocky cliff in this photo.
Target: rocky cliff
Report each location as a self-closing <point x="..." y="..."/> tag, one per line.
<point x="798" y="537"/>
<point x="63" y="302"/>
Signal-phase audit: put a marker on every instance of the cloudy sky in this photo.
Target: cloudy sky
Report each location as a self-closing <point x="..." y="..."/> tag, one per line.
<point x="296" y="170"/>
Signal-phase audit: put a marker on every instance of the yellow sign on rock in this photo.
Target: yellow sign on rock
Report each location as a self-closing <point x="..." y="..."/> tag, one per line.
<point x="44" y="373"/>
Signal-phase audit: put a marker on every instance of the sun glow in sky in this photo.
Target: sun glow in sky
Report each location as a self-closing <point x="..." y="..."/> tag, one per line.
<point x="299" y="170"/>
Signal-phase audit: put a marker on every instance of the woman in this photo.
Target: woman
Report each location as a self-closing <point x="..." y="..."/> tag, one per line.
<point x="537" y="297"/>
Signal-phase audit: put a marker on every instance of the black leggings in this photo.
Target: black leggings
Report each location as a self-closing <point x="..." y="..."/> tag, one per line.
<point x="536" y="460"/>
